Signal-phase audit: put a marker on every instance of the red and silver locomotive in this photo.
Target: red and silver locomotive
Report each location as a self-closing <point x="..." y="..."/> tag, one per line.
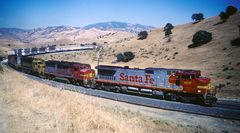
<point x="172" y="84"/>
<point x="70" y="72"/>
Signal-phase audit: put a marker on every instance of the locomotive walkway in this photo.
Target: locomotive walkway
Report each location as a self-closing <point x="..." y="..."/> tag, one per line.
<point x="223" y="109"/>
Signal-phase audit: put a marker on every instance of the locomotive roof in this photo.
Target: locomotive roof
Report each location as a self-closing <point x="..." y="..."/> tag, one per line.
<point x="126" y="67"/>
<point x="75" y="63"/>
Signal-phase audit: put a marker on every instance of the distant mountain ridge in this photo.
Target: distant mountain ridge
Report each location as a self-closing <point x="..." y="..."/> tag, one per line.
<point x="54" y="33"/>
<point x="119" y="26"/>
<point x="112" y="25"/>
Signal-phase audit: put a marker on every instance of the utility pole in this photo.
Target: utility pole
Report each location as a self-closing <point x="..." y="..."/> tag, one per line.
<point x="99" y="56"/>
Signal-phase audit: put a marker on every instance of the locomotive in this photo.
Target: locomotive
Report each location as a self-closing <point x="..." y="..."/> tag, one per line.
<point x="70" y="72"/>
<point x="170" y="84"/>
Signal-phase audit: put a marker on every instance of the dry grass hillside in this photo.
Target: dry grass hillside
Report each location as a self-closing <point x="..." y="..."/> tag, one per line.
<point x="30" y="106"/>
<point x="217" y="59"/>
<point x="45" y="37"/>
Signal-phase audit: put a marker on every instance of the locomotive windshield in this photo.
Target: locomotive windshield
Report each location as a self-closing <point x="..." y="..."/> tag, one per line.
<point x="187" y="76"/>
<point x="106" y="72"/>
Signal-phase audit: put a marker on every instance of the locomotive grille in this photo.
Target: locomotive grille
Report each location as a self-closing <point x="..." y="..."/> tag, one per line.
<point x="106" y="77"/>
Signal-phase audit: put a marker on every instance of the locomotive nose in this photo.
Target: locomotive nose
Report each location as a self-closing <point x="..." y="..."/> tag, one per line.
<point x="203" y="80"/>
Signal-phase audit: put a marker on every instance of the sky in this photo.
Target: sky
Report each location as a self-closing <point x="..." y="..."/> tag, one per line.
<point x="29" y="14"/>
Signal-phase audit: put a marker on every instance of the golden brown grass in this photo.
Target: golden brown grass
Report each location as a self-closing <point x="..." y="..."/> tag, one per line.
<point x="31" y="106"/>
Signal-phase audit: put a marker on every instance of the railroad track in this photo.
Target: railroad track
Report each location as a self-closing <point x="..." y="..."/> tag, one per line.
<point x="223" y="109"/>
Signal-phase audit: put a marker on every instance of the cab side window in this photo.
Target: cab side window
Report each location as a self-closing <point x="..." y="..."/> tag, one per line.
<point x="187" y="77"/>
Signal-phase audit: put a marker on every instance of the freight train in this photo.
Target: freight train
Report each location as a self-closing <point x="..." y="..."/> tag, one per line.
<point x="49" y="49"/>
<point x="170" y="84"/>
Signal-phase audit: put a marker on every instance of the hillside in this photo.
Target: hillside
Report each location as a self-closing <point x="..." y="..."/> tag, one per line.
<point x="217" y="59"/>
<point x="57" y="35"/>
<point x="99" y="32"/>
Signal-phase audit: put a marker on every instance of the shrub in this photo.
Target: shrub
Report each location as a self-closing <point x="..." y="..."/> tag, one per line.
<point x="235" y="42"/>
<point x="197" y="17"/>
<point x="228" y="77"/>
<point x="120" y="57"/>
<point x="142" y="35"/>
<point x="125" y="57"/>
<point x="128" y="56"/>
<point x="230" y="10"/>
<point x="94" y="43"/>
<point x="168" y="29"/>
<point x="223" y="16"/>
<point x="200" y="37"/>
<point x="1" y="69"/>
<point x="220" y="86"/>
<point x="225" y="69"/>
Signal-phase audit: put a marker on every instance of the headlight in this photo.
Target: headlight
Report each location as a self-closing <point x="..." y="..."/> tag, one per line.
<point x="204" y="87"/>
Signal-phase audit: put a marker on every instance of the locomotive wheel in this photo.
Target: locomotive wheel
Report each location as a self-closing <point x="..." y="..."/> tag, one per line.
<point x="41" y="75"/>
<point x="92" y="84"/>
<point x="170" y="96"/>
<point x="98" y="87"/>
<point x="209" y="100"/>
<point x="179" y="98"/>
<point x="86" y="84"/>
<point x="117" y="89"/>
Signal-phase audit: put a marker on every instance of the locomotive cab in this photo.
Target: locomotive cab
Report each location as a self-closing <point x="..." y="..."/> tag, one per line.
<point x="84" y="71"/>
<point x="38" y="66"/>
<point x="189" y="79"/>
<point x="193" y="83"/>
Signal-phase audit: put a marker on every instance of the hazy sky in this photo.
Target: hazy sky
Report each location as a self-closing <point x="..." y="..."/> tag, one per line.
<point x="43" y="13"/>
